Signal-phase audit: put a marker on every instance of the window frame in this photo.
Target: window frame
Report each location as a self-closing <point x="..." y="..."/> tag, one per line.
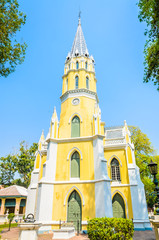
<point x="76" y="82"/>
<point x="77" y="65"/>
<point x="87" y="82"/>
<point x="115" y="170"/>
<point x="71" y="158"/>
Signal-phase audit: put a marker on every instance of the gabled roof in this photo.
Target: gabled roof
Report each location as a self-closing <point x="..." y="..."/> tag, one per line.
<point x="79" y="47"/>
<point x="13" y="191"/>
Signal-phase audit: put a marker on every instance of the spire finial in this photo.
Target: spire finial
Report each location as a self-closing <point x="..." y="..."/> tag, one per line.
<point x="79" y="17"/>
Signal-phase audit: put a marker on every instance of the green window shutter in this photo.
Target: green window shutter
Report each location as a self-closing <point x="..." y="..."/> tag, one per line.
<point x="75" y="127"/>
<point x="10" y="202"/>
<point x="22" y="202"/>
<point x="75" y="165"/>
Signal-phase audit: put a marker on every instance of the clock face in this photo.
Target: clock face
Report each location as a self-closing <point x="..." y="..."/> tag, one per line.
<point x="75" y="101"/>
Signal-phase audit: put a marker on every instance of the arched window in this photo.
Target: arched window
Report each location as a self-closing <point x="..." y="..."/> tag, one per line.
<point x="87" y="82"/>
<point x="75" y="127"/>
<point x="75" y="165"/>
<point x="76" y="82"/>
<point x="115" y="170"/>
<point x="86" y="65"/>
<point x="66" y="84"/>
<point x="77" y="65"/>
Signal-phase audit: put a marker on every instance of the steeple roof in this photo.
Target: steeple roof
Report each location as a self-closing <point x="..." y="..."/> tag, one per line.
<point x="79" y="47"/>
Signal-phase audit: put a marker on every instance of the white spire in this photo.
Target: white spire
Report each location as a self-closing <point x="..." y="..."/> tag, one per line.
<point x="79" y="47"/>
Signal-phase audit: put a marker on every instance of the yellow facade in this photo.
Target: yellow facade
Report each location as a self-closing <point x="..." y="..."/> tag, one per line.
<point x="82" y="164"/>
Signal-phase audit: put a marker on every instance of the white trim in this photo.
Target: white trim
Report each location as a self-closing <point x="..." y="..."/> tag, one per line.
<point x="117" y="184"/>
<point x="114" y="156"/>
<point x="118" y="191"/>
<point x="115" y="146"/>
<point x="71" y="190"/>
<point x="72" y="151"/>
<point x="75" y="182"/>
<point x="74" y="114"/>
<point x="77" y="139"/>
<point x="80" y="92"/>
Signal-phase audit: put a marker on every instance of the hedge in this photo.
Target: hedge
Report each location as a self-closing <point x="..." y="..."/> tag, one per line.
<point x="110" y="228"/>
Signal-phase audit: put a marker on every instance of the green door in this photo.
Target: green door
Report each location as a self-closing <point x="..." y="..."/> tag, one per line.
<point x="74" y="209"/>
<point x="118" y="206"/>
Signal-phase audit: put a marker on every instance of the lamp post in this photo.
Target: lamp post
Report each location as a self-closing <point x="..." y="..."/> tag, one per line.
<point x="153" y="170"/>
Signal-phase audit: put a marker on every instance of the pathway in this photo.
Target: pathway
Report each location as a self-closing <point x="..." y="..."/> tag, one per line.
<point x="14" y="233"/>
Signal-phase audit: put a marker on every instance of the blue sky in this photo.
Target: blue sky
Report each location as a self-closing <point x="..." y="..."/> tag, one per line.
<point x="114" y="37"/>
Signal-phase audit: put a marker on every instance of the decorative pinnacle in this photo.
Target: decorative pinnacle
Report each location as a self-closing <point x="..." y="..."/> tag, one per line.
<point x="79" y="18"/>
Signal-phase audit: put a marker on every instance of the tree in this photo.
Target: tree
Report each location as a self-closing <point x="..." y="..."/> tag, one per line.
<point x="144" y="154"/>
<point x="10" y="218"/>
<point x="11" y="52"/>
<point x="149" y="12"/>
<point x="7" y="169"/>
<point x="25" y="162"/>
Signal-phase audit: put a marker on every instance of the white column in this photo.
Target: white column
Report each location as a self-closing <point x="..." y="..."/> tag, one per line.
<point x="103" y="201"/>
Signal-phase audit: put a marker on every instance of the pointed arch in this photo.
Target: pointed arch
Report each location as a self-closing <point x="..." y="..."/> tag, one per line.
<point x="124" y="199"/>
<point x="111" y="158"/>
<point x="75" y="127"/>
<point x="74" y="149"/>
<point x="70" y="191"/>
<point x="73" y="115"/>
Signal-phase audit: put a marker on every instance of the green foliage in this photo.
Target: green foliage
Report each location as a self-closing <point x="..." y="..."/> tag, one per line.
<point x="143" y="149"/>
<point x="150" y="14"/>
<point x="10" y="218"/>
<point x="22" y="163"/>
<point x="25" y="162"/>
<point x="143" y="156"/>
<point x="11" y="52"/>
<point x="110" y="228"/>
<point x="7" y="169"/>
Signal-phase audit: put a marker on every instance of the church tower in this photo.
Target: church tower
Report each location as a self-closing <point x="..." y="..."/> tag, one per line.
<point x="82" y="169"/>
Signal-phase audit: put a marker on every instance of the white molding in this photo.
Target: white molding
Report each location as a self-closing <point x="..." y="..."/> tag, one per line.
<point x="80" y="92"/>
<point x="72" y="151"/>
<point x="114" y="156"/>
<point x="46" y="181"/>
<point x="74" y="114"/>
<point x="115" y="146"/>
<point x="125" y="201"/>
<point x="117" y="184"/>
<point x="71" y="190"/>
<point x="77" y="139"/>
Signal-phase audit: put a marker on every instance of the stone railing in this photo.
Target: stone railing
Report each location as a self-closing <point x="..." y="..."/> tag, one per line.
<point x="115" y="141"/>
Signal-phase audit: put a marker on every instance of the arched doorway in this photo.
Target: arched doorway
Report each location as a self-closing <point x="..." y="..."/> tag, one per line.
<point x="74" y="212"/>
<point x="118" y="206"/>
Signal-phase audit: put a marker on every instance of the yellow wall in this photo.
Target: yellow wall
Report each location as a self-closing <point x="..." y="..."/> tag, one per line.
<point x="85" y="109"/>
<point x="43" y="160"/>
<point x="60" y="192"/>
<point x="86" y="164"/>
<point x="124" y="191"/>
<point x="121" y="154"/>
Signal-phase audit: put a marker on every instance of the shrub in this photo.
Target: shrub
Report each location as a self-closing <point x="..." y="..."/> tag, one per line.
<point x="10" y="217"/>
<point x="110" y="228"/>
